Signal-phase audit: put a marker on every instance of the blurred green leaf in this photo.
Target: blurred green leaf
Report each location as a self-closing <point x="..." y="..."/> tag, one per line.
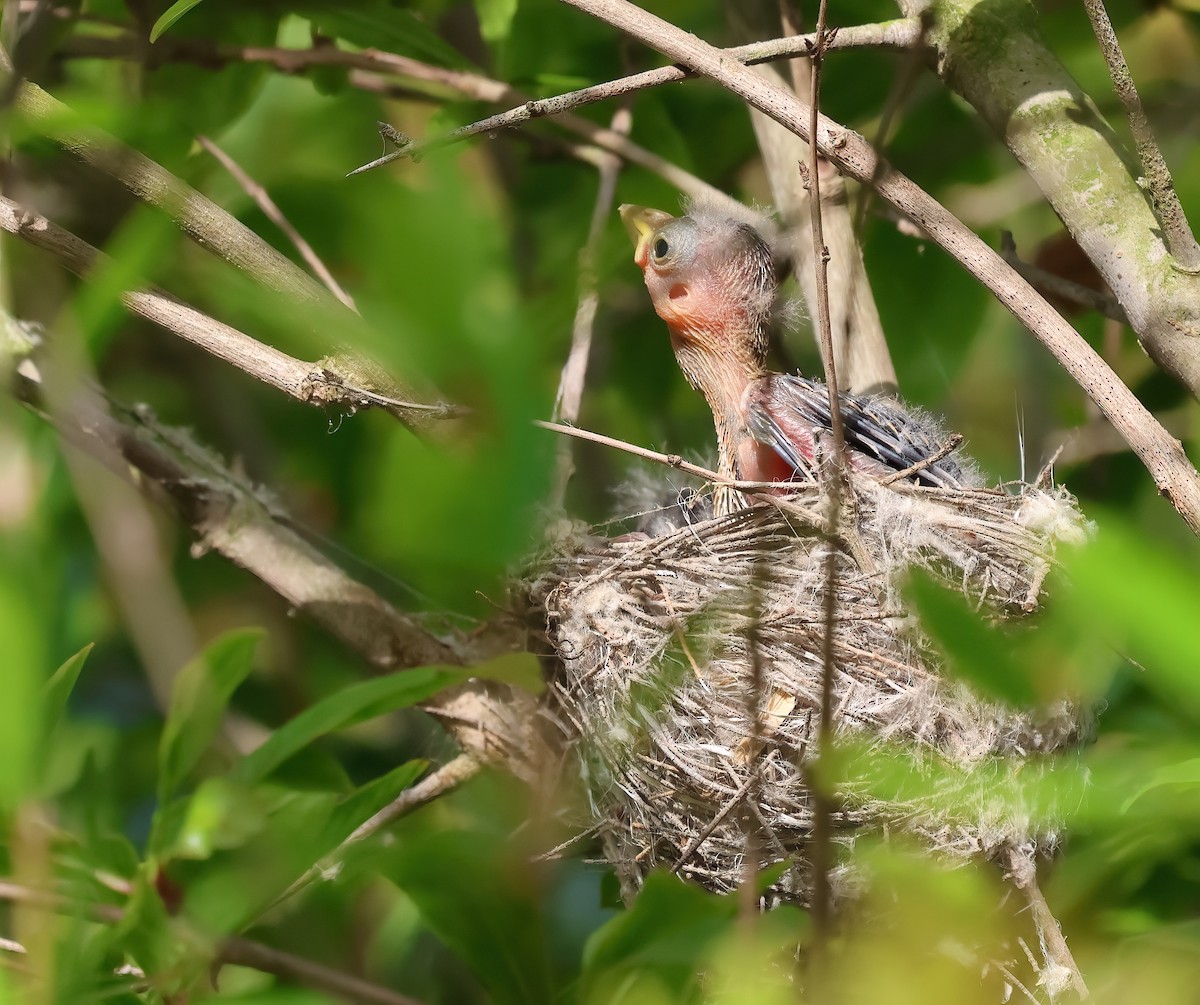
<point x="170" y="16"/>
<point x="357" y="808"/>
<point x="221" y="815"/>
<point x="59" y="687"/>
<point x="981" y="653"/>
<point x="1183" y="775"/>
<point x="495" y="18"/>
<point x="480" y="899"/>
<point x="669" y="930"/>
<point x="21" y="711"/>
<point x="381" y="25"/>
<point x="202" y="691"/>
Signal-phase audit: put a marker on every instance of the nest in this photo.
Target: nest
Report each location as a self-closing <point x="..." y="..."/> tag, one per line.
<point x="689" y="674"/>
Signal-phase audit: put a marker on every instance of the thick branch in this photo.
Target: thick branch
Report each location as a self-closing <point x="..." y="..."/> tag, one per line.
<point x="991" y="53"/>
<point x="1178" y="234"/>
<point x="1162" y="455"/>
<point x="333" y="382"/>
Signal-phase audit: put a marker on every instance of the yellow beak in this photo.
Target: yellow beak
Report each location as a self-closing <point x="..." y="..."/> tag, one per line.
<point x="641" y="222"/>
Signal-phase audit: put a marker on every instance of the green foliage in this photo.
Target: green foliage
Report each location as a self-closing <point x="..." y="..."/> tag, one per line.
<point x="226" y="810"/>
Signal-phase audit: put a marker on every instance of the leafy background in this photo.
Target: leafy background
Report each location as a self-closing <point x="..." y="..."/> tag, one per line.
<point x="131" y="796"/>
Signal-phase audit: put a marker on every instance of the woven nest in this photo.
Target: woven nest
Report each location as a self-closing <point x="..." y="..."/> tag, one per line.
<point x="661" y="642"/>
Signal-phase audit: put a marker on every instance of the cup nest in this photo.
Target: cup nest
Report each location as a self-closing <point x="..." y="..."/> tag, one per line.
<point x="688" y="673"/>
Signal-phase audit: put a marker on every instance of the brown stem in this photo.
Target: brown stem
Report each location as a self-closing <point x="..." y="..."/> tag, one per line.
<point x="1162" y="455"/>
<point x="331" y="383"/>
<point x="271" y="210"/>
<point x="889" y="34"/>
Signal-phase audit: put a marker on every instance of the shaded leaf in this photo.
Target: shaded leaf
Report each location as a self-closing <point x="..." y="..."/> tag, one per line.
<point x="202" y="692"/>
<point x="59" y="687"/>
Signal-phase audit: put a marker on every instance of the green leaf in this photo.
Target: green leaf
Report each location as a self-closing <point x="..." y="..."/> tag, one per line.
<point x="221" y="814"/>
<point x="59" y="687"/>
<point x="373" y="23"/>
<point x="358" y="807"/>
<point x="1184" y="775"/>
<point x="478" y="896"/>
<point x="980" y="653"/>
<point x="495" y="18"/>
<point x="373" y="698"/>
<point x="202" y="692"/>
<point x="668" y="929"/>
<point x="172" y="14"/>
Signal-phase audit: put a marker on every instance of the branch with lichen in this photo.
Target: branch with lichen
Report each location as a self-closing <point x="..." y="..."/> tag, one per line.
<point x="993" y="55"/>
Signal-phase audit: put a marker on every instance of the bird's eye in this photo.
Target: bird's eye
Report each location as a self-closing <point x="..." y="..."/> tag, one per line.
<point x="661" y="248"/>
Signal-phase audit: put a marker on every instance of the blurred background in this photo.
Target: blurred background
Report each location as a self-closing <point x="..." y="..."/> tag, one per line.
<point x="465" y="268"/>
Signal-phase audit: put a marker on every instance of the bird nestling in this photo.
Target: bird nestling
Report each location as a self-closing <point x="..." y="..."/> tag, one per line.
<point x="712" y="279"/>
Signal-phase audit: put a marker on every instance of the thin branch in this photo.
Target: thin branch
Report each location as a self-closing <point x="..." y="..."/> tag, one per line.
<point x="1057" y="286"/>
<point x="330" y="383"/>
<point x="822" y="852"/>
<point x="900" y="34"/>
<point x="297" y="969"/>
<point x="445" y="779"/>
<point x="236" y="950"/>
<point x="444" y="82"/>
<point x="1054" y="945"/>
<point x="1162" y="455"/>
<point x="204" y="221"/>
<point x="953" y="442"/>
<point x="569" y="398"/>
<point x="243" y="523"/>
<point x="1179" y="237"/>
<point x="273" y="213"/>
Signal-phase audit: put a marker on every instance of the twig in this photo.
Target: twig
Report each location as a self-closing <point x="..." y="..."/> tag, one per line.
<point x="822" y="851"/>
<point x="234" y="518"/>
<point x="258" y="956"/>
<point x="1024" y="875"/>
<point x="236" y="950"/>
<point x="445" y="82"/>
<point x="901" y="34"/>
<point x="330" y="383"/>
<point x="1058" y="286"/>
<point x="1179" y="237"/>
<point x="449" y="776"/>
<point x="574" y="372"/>
<point x="204" y="221"/>
<point x="273" y="213"/>
<point x="1162" y="455"/>
<point x="953" y="442"/>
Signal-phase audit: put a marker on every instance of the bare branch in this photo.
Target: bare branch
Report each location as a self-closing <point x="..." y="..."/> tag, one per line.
<point x="1162" y="455"/>
<point x="574" y="372"/>
<point x="202" y="220"/>
<point x="273" y="213"/>
<point x="863" y="360"/>
<point x="1054" y="945"/>
<point x="236" y="950"/>
<point x="332" y="382"/>
<point x="445" y="779"/>
<point x="1060" y="288"/>
<point x="1179" y="237"/>
<point x="242" y="522"/>
<point x="902" y="34"/>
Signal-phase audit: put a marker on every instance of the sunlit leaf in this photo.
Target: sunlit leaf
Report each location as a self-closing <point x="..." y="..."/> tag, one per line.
<point x="495" y="18"/>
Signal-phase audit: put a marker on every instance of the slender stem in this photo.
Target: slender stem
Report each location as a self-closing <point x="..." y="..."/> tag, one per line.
<point x="330" y="383"/>
<point x="1178" y="234"/>
<point x="569" y="398"/>
<point x="822" y="799"/>
<point x="1163" y="456"/>
<point x="900" y="34"/>
<point x="273" y="213"/>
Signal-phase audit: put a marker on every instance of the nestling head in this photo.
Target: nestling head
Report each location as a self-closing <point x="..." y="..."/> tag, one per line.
<point x="711" y="278"/>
